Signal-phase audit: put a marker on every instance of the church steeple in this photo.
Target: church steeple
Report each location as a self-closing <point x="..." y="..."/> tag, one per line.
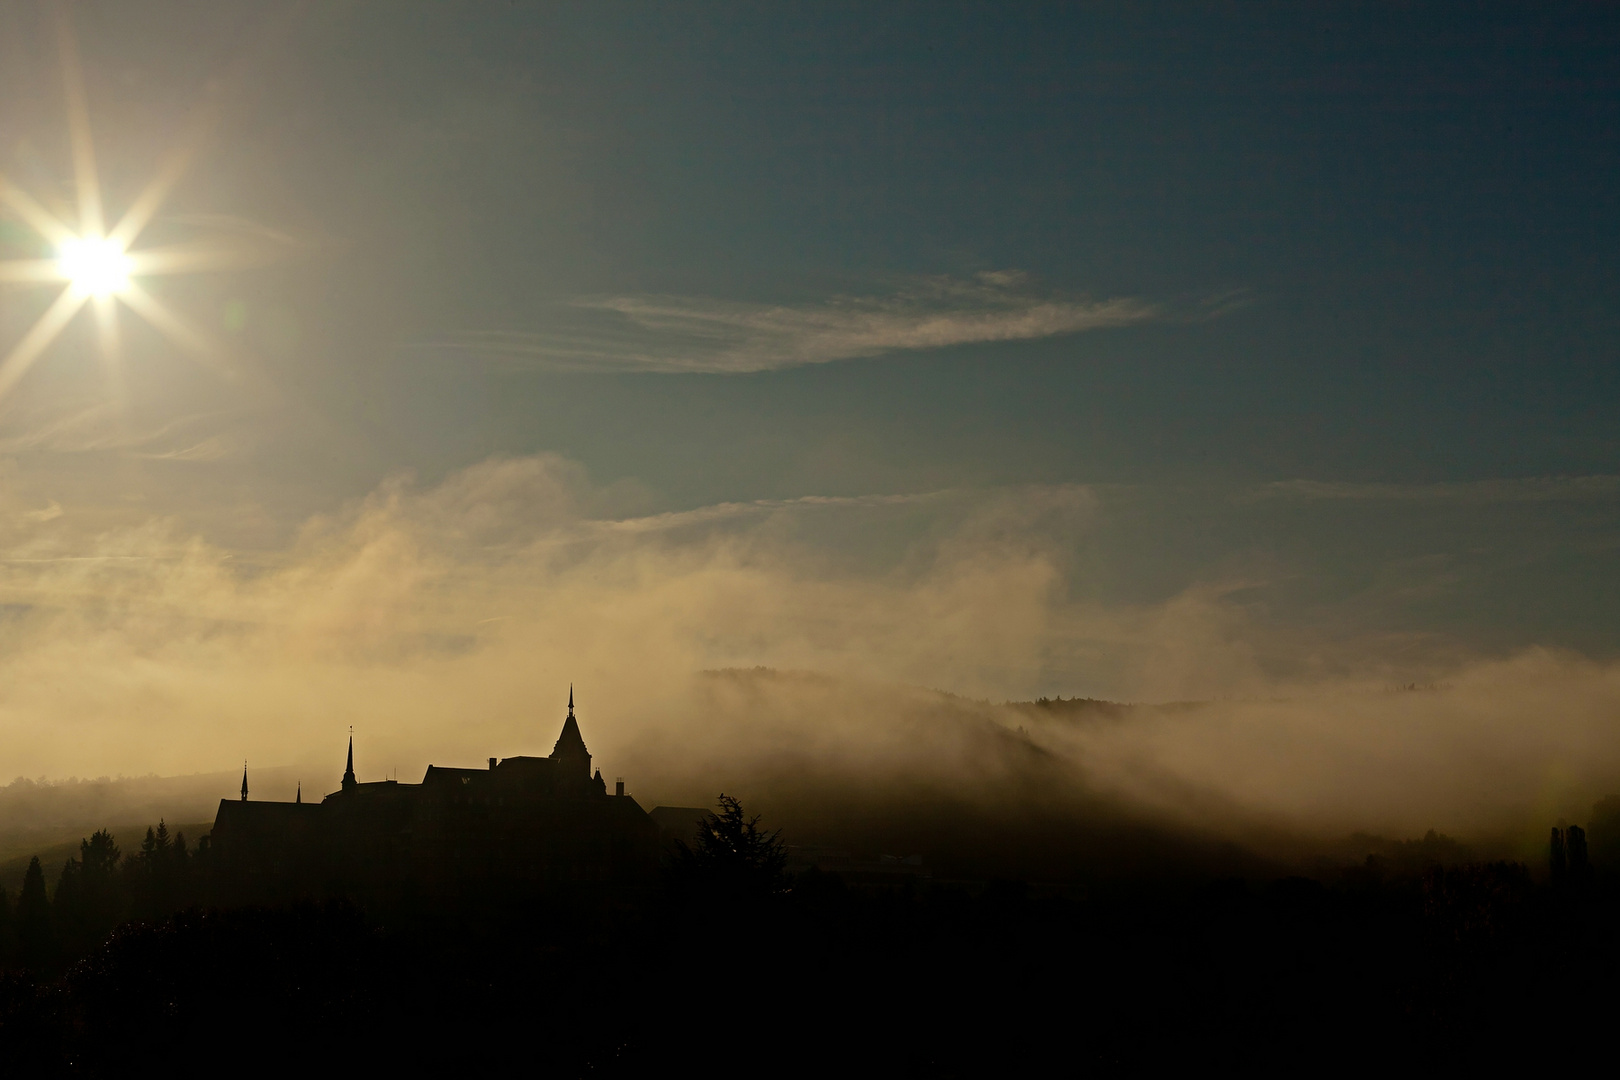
<point x="570" y="746"/>
<point x="348" y="770"/>
<point x="299" y="798"/>
<point x="244" y="781"/>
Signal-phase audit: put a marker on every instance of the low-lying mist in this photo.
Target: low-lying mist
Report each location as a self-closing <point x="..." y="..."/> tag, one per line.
<point x="1493" y="759"/>
<point x="842" y="664"/>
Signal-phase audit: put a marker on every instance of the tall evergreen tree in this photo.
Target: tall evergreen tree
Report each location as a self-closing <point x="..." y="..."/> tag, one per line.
<point x="1575" y="843"/>
<point x="67" y="905"/>
<point x="89" y="899"/>
<point x="147" y="873"/>
<point x="733" y="854"/>
<point x="36" y="944"/>
<point x="100" y="853"/>
<point x="8" y="929"/>
<point x="149" y="848"/>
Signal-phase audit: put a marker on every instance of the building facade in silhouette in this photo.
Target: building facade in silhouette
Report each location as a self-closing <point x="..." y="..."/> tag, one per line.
<point x="524" y="823"/>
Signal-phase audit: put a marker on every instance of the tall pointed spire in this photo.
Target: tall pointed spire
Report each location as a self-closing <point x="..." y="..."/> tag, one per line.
<point x="570" y="746"/>
<point x="299" y="798"/>
<point x="244" y="781"/>
<point x="348" y="770"/>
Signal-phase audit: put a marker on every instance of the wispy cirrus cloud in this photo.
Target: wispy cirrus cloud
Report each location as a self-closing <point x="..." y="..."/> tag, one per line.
<point x="104" y="427"/>
<point x="1601" y="487"/>
<point x="675" y="334"/>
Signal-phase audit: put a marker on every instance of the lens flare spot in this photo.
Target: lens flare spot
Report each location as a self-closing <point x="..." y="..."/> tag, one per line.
<point x="94" y="264"/>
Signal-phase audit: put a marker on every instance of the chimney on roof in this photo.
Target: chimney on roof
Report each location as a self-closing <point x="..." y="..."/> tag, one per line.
<point x="618" y="786"/>
<point x="492" y="764"/>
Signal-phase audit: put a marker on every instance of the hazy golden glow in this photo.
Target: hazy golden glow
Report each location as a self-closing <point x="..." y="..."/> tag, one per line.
<point x="147" y="648"/>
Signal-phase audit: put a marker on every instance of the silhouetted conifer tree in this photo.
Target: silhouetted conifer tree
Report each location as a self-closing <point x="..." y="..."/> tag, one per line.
<point x="1604" y="829"/>
<point x="1557" y="860"/>
<point x="733" y="854"/>
<point x="155" y="873"/>
<point x="163" y="869"/>
<point x="35" y="943"/>
<point x="8" y="929"/>
<point x="155" y="845"/>
<point x="67" y="903"/>
<point x="100" y="853"/>
<point x="1575" y="843"/>
<point x="89" y="898"/>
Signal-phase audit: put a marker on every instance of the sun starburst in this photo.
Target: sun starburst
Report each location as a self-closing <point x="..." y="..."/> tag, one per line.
<point x="102" y="267"/>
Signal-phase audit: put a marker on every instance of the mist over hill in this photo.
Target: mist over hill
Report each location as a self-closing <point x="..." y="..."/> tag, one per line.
<point x="1051" y="789"/>
<point x="48" y="817"/>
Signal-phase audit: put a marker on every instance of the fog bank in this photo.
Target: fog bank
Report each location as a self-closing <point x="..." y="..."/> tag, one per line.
<point x="446" y="621"/>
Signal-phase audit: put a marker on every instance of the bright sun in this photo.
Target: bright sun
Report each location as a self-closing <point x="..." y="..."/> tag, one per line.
<point x="104" y="268"/>
<point x="95" y="265"/>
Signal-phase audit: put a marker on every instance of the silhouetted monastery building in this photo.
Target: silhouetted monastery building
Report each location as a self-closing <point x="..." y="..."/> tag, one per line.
<point x="531" y="822"/>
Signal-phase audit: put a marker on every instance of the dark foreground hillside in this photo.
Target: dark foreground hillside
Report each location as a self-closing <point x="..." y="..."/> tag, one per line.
<point x="742" y="969"/>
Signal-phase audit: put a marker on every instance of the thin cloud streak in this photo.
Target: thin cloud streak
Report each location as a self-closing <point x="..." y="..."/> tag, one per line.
<point x="102" y="427"/>
<point x="675" y="334"/>
<point x="733" y="510"/>
<point x="1601" y="487"/>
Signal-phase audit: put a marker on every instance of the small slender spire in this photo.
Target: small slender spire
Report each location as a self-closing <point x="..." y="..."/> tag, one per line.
<point x="570" y="699"/>
<point x="244" y="781"/>
<point x="348" y="770"/>
<point x="299" y="798"/>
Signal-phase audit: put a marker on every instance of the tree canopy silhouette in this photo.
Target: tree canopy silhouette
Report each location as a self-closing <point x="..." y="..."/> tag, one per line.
<point x="35" y="941"/>
<point x="88" y="901"/>
<point x="8" y="932"/>
<point x="733" y="853"/>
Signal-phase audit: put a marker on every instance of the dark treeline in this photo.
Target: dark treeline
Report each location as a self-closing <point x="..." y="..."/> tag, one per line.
<point x="730" y="962"/>
<point x="95" y="892"/>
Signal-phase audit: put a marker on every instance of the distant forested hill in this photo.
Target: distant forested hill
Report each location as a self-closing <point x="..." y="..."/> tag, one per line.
<point x="48" y="817"/>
